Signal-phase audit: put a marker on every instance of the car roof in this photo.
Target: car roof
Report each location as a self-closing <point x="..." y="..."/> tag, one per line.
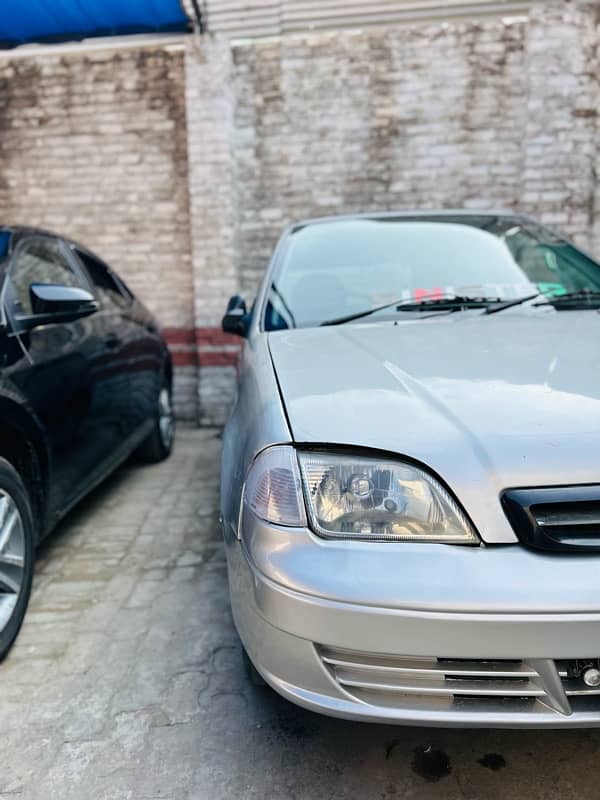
<point x="18" y="231"/>
<point x="23" y="230"/>
<point x="432" y="214"/>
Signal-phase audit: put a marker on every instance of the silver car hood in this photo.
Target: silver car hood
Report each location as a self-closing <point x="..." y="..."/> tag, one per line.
<point x="486" y="402"/>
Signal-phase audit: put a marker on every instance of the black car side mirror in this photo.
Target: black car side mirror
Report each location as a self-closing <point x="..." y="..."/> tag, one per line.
<point x="53" y="303"/>
<point x="236" y="319"/>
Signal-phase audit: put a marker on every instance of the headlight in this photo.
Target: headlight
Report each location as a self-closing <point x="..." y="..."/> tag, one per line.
<point x="362" y="498"/>
<point x="352" y="497"/>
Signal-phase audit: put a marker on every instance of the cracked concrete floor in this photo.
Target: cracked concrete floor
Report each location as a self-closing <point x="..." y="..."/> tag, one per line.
<point x="126" y="681"/>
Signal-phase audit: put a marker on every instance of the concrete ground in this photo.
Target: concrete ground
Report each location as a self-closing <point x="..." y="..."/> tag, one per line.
<point x="127" y="682"/>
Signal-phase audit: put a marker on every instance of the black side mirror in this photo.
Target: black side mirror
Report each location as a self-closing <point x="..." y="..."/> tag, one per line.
<point x="236" y="319"/>
<point x="52" y="303"/>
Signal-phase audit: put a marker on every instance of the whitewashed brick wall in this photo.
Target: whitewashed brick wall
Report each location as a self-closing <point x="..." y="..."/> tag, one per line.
<point x="354" y="121"/>
<point x="211" y="102"/>
<point x="561" y="143"/>
<point x="93" y="145"/>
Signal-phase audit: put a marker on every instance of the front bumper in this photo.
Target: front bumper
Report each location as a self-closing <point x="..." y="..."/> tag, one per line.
<point x="463" y="637"/>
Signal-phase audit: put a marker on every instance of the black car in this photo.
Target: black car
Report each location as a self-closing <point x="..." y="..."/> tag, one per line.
<point x="85" y="380"/>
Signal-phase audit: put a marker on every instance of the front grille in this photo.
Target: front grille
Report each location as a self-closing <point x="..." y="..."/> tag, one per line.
<point x="452" y="684"/>
<point x="559" y="518"/>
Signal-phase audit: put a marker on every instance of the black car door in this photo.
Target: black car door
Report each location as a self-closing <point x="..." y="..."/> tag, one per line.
<point x="58" y="370"/>
<point x="139" y="350"/>
<point x="112" y="324"/>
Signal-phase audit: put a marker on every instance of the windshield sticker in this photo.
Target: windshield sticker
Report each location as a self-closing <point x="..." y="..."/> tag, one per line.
<point x="551" y="289"/>
<point x="506" y="291"/>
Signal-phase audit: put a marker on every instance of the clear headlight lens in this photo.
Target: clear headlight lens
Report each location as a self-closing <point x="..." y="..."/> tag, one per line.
<point x="352" y="497"/>
<point x="273" y="489"/>
<point x="363" y="498"/>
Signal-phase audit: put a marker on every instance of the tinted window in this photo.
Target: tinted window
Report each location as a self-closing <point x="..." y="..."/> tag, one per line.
<point x="4" y="244"/>
<point x="106" y="288"/>
<point x="38" y="260"/>
<point x="346" y="266"/>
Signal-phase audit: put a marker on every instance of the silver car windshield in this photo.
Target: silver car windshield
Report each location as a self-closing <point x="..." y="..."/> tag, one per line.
<point x="338" y="268"/>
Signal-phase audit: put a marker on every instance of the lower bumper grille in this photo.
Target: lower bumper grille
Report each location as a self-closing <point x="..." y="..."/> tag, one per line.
<point x="511" y="685"/>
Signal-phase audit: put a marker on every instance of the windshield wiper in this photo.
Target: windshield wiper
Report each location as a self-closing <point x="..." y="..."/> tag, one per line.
<point x="283" y="302"/>
<point x="438" y="302"/>
<point x="581" y="299"/>
<point x="450" y="303"/>
<point x="510" y="303"/>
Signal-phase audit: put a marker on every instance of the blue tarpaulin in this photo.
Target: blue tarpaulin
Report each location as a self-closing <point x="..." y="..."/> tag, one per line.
<point x="24" y="21"/>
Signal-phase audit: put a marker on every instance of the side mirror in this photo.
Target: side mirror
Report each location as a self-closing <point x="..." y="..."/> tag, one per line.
<point x="53" y="303"/>
<point x="236" y="319"/>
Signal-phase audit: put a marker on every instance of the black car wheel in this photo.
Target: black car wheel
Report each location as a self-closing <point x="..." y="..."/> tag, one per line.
<point x="159" y="443"/>
<point x="16" y="554"/>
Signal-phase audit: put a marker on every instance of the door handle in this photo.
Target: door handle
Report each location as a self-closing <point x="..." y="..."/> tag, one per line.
<point x="112" y="341"/>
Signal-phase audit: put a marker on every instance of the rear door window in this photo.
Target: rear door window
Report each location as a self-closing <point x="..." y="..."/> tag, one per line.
<point x="107" y="289"/>
<point x="37" y="260"/>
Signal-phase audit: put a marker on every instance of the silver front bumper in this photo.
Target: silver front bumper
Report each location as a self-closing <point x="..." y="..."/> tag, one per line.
<point x="445" y="649"/>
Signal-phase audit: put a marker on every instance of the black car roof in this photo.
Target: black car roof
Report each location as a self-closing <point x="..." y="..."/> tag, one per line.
<point x="18" y="231"/>
<point x="23" y="230"/>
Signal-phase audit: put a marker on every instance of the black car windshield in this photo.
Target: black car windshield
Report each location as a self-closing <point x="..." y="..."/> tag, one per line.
<point x="338" y="268"/>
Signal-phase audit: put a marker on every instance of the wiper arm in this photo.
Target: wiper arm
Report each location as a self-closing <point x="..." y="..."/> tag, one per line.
<point x="437" y="302"/>
<point x="583" y="298"/>
<point x="283" y="302"/>
<point x="510" y="303"/>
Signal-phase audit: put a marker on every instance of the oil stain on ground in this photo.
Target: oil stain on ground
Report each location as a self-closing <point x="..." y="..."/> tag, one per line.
<point x="431" y="764"/>
<point x="390" y="747"/>
<point x="493" y="761"/>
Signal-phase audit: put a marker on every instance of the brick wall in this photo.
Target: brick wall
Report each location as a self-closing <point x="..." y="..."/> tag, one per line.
<point x="182" y="166"/>
<point x="93" y="145"/>
<point x="406" y="117"/>
<point x="561" y="145"/>
<point x="210" y="95"/>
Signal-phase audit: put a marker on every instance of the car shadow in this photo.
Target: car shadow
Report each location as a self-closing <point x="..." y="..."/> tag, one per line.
<point x="388" y="761"/>
<point x="80" y="514"/>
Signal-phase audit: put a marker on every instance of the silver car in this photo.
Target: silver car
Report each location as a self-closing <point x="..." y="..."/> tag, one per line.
<point x="411" y="472"/>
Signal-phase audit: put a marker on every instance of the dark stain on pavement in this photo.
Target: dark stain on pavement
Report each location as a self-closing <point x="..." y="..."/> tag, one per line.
<point x="432" y="765"/>
<point x="295" y="723"/>
<point x="390" y="747"/>
<point x="493" y="761"/>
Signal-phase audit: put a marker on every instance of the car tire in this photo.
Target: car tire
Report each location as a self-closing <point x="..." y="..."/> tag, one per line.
<point x="17" y="554"/>
<point x="159" y="444"/>
<point x="256" y="679"/>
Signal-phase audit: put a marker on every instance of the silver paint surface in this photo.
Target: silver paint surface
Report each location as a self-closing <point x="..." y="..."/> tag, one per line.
<point x="486" y="402"/>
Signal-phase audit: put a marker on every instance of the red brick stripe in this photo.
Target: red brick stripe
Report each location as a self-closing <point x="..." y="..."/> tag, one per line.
<point x="176" y="336"/>
<point x="215" y="336"/>
<point x="202" y="347"/>
<point x="184" y="359"/>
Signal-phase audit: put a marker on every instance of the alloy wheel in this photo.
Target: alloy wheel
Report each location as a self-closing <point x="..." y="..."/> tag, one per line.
<point x="12" y="557"/>
<point x="165" y="418"/>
